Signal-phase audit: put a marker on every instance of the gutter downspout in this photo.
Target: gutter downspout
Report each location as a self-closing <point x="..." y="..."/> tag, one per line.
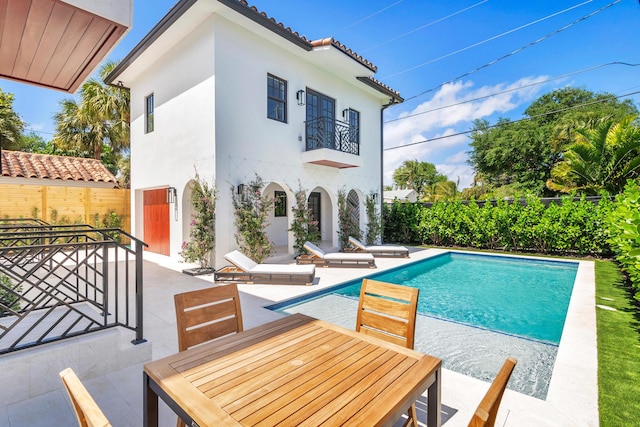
<point x="391" y="102"/>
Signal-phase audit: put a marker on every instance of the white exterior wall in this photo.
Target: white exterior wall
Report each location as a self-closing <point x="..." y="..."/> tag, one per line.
<point x="249" y="143"/>
<point x="182" y="83"/>
<point x="210" y="95"/>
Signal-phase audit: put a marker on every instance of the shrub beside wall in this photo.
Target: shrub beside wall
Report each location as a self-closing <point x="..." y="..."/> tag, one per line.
<point x="576" y="227"/>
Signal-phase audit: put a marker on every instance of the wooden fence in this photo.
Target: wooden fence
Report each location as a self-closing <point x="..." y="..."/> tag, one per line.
<point x="65" y="205"/>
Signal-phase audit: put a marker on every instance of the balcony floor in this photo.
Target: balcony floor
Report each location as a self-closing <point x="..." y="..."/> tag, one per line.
<point x="119" y="393"/>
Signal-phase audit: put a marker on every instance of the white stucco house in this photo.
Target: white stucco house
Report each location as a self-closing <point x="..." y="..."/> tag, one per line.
<point x="219" y="86"/>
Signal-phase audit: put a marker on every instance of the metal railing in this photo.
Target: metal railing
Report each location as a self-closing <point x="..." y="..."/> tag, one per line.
<point x="61" y="281"/>
<point x="327" y="132"/>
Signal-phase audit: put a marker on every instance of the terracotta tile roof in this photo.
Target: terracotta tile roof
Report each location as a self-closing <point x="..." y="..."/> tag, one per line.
<point x="17" y="164"/>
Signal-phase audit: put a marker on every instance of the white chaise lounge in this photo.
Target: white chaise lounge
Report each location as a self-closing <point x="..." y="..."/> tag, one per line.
<point x="244" y="269"/>
<point x="381" y="250"/>
<point x="335" y="259"/>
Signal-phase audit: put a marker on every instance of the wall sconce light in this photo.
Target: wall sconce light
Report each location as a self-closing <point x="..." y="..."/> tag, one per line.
<point x="240" y="188"/>
<point x="375" y="197"/>
<point x="172" y="195"/>
<point x="345" y="113"/>
<point x="300" y="96"/>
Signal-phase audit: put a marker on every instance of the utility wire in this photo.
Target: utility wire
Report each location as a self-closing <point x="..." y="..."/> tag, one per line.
<point x="367" y="17"/>
<point x="516" y="51"/>
<point x="512" y="90"/>
<point x="513" y="121"/>
<point x="425" y="26"/>
<point x="489" y="39"/>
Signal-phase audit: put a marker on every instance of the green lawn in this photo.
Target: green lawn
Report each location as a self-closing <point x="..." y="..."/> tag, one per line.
<point x="618" y="349"/>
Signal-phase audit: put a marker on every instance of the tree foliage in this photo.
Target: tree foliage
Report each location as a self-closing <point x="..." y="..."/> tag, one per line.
<point x="602" y="158"/>
<point x="11" y="125"/>
<point x="418" y="176"/>
<point x="97" y="122"/>
<point x="521" y="155"/>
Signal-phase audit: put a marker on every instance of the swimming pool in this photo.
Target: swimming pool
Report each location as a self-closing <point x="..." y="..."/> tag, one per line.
<point x="474" y="311"/>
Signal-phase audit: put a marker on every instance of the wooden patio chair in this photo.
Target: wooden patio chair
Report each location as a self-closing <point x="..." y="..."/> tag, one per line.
<point x="485" y="415"/>
<point x="205" y="315"/>
<point x="388" y="312"/>
<point x="87" y="410"/>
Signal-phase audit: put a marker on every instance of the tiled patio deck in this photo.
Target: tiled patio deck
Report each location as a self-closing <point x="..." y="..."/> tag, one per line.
<point x="572" y="398"/>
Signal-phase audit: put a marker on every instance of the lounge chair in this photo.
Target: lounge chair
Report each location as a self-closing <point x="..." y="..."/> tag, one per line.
<point x="335" y="259"/>
<point x="380" y="251"/>
<point x="244" y="269"/>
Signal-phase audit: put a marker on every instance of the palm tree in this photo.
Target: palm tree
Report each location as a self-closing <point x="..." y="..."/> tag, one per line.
<point x="602" y="158"/>
<point x="100" y="117"/>
<point x="417" y="176"/>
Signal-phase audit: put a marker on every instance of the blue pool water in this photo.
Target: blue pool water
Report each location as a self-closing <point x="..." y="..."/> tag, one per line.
<point x="474" y="310"/>
<point x="527" y="298"/>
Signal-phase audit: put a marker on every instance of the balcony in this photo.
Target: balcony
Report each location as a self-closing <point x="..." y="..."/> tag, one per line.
<point x="332" y="143"/>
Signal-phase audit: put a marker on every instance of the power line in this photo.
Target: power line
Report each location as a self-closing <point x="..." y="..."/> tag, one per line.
<point x="489" y="39"/>
<point x="512" y="90"/>
<point x="367" y="17"/>
<point x="517" y="50"/>
<point x="512" y="121"/>
<point x="425" y="26"/>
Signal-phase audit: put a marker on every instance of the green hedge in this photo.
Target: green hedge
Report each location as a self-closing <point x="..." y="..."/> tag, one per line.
<point x="577" y="227"/>
<point x="624" y="229"/>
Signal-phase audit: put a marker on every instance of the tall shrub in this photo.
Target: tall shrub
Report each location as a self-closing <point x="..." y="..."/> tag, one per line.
<point x="346" y="224"/>
<point x="202" y="237"/>
<point x="624" y="228"/>
<point x="303" y="226"/>
<point x="374" y="223"/>
<point x="251" y="209"/>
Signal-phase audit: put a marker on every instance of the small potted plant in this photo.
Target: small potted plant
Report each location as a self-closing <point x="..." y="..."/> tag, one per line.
<point x="202" y="238"/>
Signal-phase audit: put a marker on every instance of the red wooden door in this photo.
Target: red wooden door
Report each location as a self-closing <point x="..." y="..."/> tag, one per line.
<point x="156" y="221"/>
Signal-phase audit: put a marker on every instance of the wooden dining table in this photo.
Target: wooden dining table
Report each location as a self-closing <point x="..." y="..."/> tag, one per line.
<point x="295" y="371"/>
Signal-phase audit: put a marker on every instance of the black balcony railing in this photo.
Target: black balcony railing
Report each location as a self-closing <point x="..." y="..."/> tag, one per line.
<point x="327" y="132"/>
<point x="58" y="282"/>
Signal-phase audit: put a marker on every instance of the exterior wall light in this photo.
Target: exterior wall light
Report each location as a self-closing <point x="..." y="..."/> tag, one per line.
<point x="300" y="96"/>
<point x="240" y="188"/>
<point x="172" y="195"/>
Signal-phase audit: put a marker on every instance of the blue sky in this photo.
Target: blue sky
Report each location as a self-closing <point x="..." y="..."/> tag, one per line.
<point x="439" y="53"/>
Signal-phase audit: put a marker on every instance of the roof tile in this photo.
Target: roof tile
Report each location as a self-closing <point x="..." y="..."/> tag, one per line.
<point x="17" y="164"/>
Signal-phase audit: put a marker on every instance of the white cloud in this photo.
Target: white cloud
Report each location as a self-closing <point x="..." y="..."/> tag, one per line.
<point x="451" y="110"/>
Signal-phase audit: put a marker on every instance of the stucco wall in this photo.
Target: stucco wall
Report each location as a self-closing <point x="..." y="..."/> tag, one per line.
<point x="210" y="94"/>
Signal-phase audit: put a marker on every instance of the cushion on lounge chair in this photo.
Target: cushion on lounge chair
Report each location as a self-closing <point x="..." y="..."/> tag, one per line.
<point x="320" y="257"/>
<point x="240" y="260"/>
<point x="380" y="250"/>
<point x="357" y="243"/>
<point x="283" y="269"/>
<point x="314" y="249"/>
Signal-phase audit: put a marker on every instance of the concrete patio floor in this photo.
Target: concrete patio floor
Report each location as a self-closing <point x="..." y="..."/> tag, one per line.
<point x="571" y="401"/>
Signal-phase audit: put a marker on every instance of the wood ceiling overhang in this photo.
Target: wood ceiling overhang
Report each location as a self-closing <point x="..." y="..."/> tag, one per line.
<point x="53" y="44"/>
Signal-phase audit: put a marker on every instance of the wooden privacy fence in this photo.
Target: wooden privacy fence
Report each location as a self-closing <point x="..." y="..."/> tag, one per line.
<point x="73" y="205"/>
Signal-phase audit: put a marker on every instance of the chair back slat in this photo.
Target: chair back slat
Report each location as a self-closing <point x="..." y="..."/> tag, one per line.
<point x="388" y="311"/>
<point x="485" y="415"/>
<point x="87" y="410"/>
<point x="207" y="314"/>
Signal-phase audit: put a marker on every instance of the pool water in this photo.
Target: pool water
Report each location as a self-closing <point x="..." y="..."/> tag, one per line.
<point x="527" y="298"/>
<point x="474" y="311"/>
